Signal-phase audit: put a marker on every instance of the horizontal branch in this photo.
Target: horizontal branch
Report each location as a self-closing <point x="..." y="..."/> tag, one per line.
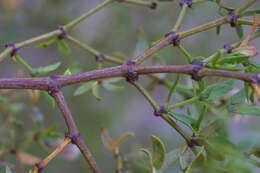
<point x="56" y="81"/>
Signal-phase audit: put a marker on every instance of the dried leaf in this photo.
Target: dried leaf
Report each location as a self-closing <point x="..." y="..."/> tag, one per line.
<point x="27" y="158"/>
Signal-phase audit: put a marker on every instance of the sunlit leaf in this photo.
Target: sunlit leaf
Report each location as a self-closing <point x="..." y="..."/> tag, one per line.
<point x="67" y="72"/>
<point x="63" y="47"/>
<point x="158" y="152"/>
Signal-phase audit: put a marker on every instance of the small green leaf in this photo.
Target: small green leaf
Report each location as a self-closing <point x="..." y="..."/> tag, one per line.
<point x="15" y="107"/>
<point x="63" y="47"/>
<point x="185" y="119"/>
<point x="218" y="28"/>
<point x="233" y="59"/>
<point x="95" y="91"/>
<point x="84" y="88"/>
<point x="240" y="31"/>
<point x="49" y="98"/>
<point x="46" y="44"/>
<point x="67" y="72"/>
<point x="250" y="12"/>
<point x="246" y="110"/>
<point x="253" y="67"/>
<point x="215" y="91"/>
<point x="51" y="132"/>
<point x="215" y="58"/>
<point x="3" y="99"/>
<point x="158" y="152"/>
<point x="239" y="97"/>
<point x="222" y="12"/>
<point x="111" y="87"/>
<point x="47" y="69"/>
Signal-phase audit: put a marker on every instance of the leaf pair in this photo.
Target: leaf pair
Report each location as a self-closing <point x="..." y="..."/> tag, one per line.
<point x="95" y="85"/>
<point x="62" y="45"/>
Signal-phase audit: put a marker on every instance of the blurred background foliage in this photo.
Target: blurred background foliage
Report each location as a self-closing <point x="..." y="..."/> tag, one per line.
<point x="119" y="29"/>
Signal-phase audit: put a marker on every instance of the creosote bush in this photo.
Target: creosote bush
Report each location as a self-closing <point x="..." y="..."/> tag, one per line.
<point x="209" y="102"/>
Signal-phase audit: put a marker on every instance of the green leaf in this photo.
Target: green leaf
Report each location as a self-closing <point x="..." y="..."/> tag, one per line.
<point x="83" y="88"/>
<point x="185" y="119"/>
<point x="222" y="12"/>
<point x="240" y="31"/>
<point x="218" y="28"/>
<point x="246" y="110"/>
<point x="63" y="47"/>
<point x="158" y="152"/>
<point x="233" y="59"/>
<point x="253" y="67"/>
<point x="49" y="98"/>
<point x="239" y="97"/>
<point x="47" y="69"/>
<point x="3" y="99"/>
<point x="215" y="58"/>
<point x="170" y="160"/>
<point x="15" y="107"/>
<point x="7" y="170"/>
<point x="250" y="12"/>
<point x="95" y="91"/>
<point x="217" y="90"/>
<point x="111" y="87"/>
<point x="51" y="132"/>
<point x="46" y="44"/>
<point x="67" y="72"/>
<point x="219" y="147"/>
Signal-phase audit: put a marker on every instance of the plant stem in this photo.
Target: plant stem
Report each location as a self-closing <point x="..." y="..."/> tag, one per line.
<point x="180" y="18"/>
<point x="172" y="89"/>
<point x="138" y="2"/>
<point x="94" y="51"/>
<point x="146" y="95"/>
<point x="180" y="104"/>
<point x="44" y="162"/>
<point x="185" y="52"/>
<point x="26" y="65"/>
<point x="76" y="21"/>
<point x="177" y="128"/>
<point x="73" y="130"/>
